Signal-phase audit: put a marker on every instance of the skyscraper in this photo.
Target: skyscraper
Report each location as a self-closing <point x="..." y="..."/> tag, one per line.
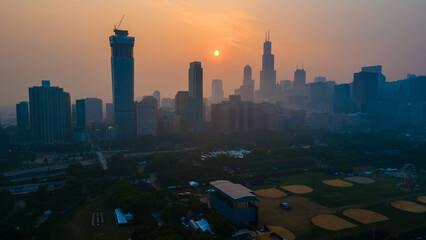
<point x="47" y="113"/>
<point x="122" y="68"/>
<point x="195" y="93"/>
<point x="247" y="89"/>
<point x="217" y="91"/>
<point x="299" y="84"/>
<point x="22" y="116"/>
<point x="268" y="75"/>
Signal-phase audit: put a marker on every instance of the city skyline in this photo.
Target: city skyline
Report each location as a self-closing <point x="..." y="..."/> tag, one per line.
<point x="358" y="45"/>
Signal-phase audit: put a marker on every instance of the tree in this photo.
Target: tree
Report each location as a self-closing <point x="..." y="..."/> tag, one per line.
<point x="173" y="213"/>
<point x="220" y="224"/>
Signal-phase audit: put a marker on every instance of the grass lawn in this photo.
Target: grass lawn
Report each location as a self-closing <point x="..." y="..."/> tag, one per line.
<point x="76" y="224"/>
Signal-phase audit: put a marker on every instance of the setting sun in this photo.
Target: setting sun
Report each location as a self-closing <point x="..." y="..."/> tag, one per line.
<point x="216" y="53"/>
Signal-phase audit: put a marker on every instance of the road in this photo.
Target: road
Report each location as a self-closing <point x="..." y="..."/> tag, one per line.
<point x="100" y="155"/>
<point x="102" y="159"/>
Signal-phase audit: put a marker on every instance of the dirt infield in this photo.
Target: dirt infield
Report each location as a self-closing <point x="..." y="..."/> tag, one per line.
<point x="422" y="199"/>
<point x="360" y="180"/>
<point x="364" y="216"/>
<point x="337" y="183"/>
<point x="282" y="232"/>
<point x="298" y="189"/>
<point x="409" y="206"/>
<point x="270" y="193"/>
<point x="331" y="222"/>
<point x="296" y="219"/>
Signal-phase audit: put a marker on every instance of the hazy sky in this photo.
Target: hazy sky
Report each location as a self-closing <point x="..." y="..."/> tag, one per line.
<point x="67" y="41"/>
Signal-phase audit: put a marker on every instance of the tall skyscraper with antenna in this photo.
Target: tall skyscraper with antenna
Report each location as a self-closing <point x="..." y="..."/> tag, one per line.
<point x="268" y="75"/>
<point x="122" y="69"/>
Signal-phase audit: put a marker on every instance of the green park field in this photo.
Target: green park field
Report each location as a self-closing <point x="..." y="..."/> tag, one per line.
<point x="331" y="200"/>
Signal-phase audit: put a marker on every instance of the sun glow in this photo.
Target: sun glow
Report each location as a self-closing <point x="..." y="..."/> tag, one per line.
<point x="216" y="53"/>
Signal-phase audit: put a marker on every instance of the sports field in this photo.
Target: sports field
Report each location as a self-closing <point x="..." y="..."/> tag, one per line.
<point x="347" y="206"/>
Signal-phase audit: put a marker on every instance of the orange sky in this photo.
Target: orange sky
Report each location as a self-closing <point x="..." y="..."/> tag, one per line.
<point x="67" y="41"/>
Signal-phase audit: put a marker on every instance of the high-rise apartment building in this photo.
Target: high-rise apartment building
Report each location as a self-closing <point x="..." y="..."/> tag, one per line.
<point x="146" y="116"/>
<point x="22" y="116"/>
<point x="195" y="94"/>
<point x="47" y="113"/>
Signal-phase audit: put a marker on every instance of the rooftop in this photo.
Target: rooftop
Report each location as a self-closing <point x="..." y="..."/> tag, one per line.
<point x="234" y="191"/>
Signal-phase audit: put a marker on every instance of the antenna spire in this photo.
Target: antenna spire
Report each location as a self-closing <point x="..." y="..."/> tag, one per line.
<point x="268" y="35"/>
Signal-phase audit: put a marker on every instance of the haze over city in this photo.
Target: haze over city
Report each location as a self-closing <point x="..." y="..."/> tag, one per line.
<point x="67" y="42"/>
<point x="213" y="120"/>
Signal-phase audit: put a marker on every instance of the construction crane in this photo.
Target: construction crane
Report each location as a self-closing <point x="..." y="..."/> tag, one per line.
<point x="118" y="26"/>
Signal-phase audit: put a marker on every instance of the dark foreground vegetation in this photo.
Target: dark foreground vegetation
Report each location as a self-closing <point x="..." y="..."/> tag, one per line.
<point x="174" y="161"/>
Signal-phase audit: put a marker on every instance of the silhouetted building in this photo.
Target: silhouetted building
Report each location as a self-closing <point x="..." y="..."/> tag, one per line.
<point x="268" y="75"/>
<point x="168" y="103"/>
<point x="318" y="93"/>
<point x="157" y="96"/>
<point x="417" y="89"/>
<point x="320" y="79"/>
<point x="182" y="103"/>
<point x="217" y="91"/>
<point x="80" y="109"/>
<point x="146" y="116"/>
<point x="47" y="113"/>
<point x="236" y="116"/>
<point x="299" y="84"/>
<point x="195" y="93"/>
<point x="22" y="116"/>
<point x="150" y="100"/>
<point x="285" y="84"/>
<point x="122" y="68"/>
<point x="94" y="110"/>
<point x="109" y="108"/>
<point x="342" y="98"/>
<point x="164" y="121"/>
<point x="381" y="78"/>
<point x="364" y="91"/>
<point x="247" y="89"/>
<point x="67" y="117"/>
